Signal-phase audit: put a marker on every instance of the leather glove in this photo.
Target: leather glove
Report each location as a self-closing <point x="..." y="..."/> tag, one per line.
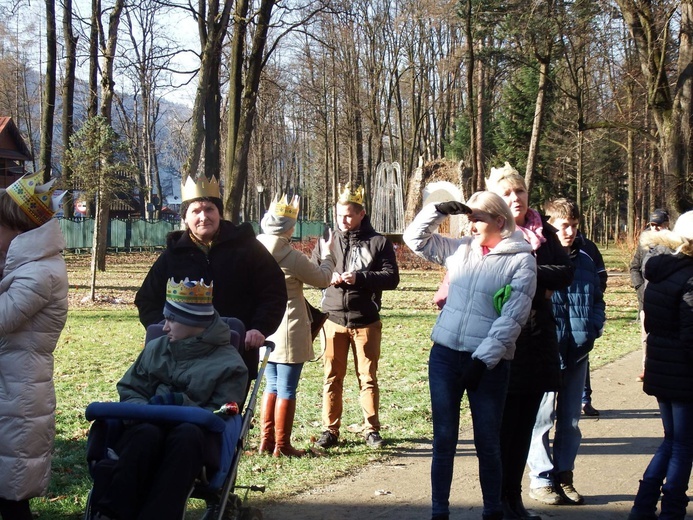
<point x="453" y="207"/>
<point x="471" y="376"/>
<point x="169" y="398"/>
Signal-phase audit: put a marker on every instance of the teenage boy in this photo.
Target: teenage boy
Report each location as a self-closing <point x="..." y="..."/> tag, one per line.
<point x="192" y="365"/>
<point x="580" y="314"/>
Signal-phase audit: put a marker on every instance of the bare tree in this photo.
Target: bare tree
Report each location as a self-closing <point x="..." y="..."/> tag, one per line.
<point x="49" y="87"/>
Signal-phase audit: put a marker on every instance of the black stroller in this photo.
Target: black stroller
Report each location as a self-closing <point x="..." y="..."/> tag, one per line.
<point x="216" y="485"/>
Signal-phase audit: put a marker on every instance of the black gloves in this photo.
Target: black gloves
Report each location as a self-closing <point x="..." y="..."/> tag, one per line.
<point x="169" y="398"/>
<point x="453" y="208"/>
<point x="471" y="377"/>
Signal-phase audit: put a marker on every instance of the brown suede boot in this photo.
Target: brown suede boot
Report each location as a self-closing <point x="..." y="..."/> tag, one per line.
<point x="284" y="422"/>
<point x="267" y="423"/>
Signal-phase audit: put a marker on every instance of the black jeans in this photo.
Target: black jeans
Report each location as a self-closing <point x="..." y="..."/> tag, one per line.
<point x="155" y="471"/>
<point x="15" y="509"/>
<point x="519" y="415"/>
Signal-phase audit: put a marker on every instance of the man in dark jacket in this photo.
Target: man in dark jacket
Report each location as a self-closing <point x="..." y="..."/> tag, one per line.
<point x="365" y="266"/>
<point x="248" y="283"/>
<point x="659" y="220"/>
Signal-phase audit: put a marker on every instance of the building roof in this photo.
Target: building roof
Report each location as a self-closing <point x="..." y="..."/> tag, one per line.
<point x="12" y="145"/>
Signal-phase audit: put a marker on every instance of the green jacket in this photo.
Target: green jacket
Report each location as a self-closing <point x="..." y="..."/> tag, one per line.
<point x="206" y="369"/>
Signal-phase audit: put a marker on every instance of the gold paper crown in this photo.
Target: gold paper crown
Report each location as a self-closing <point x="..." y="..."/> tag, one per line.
<point x="36" y="200"/>
<point x="284" y="208"/>
<point x="200" y="188"/>
<point x="188" y="291"/>
<point x="346" y="195"/>
<point x="500" y="174"/>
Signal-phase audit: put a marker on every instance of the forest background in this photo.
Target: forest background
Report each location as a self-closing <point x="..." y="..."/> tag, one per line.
<point x="589" y="99"/>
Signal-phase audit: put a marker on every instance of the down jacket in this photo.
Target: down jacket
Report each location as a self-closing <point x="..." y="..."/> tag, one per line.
<point x="668" y="306"/>
<point x="292" y="340"/>
<point x="33" y="311"/>
<point x="207" y="369"/>
<point x="579" y="309"/>
<point x="469" y="321"/>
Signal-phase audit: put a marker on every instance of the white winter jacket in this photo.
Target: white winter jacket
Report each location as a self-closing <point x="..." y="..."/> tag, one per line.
<point x="469" y="321"/>
<point x="33" y="310"/>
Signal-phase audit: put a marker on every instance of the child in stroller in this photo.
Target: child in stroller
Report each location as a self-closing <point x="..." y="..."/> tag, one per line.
<point x="156" y="463"/>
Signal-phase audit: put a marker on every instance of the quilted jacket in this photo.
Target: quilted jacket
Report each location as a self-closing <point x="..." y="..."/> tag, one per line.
<point x="33" y="311"/>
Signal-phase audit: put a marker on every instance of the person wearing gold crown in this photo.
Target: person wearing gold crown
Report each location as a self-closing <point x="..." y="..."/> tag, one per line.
<point x="365" y="266"/>
<point x="33" y="311"/>
<point x="292" y="340"/>
<point x="248" y="283"/>
<point x="193" y="364"/>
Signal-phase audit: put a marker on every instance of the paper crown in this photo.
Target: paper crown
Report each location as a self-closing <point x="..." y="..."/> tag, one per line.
<point x="36" y="200"/>
<point x="499" y="174"/>
<point x="200" y="188"/>
<point x="281" y="207"/>
<point x="187" y="291"/>
<point x="346" y="195"/>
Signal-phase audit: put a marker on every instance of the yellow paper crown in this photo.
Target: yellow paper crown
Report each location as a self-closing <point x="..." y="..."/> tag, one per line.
<point x="283" y="208"/>
<point x="200" y="188"/>
<point x="36" y="200"/>
<point x="187" y="291"/>
<point x="346" y="195"/>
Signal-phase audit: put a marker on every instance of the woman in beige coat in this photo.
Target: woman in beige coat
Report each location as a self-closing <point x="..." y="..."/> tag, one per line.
<point x="293" y="342"/>
<point x="33" y="310"/>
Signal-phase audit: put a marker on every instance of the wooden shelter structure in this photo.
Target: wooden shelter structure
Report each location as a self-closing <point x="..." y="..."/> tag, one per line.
<point x="13" y="152"/>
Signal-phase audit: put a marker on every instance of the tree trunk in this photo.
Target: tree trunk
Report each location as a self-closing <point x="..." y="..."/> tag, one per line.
<point x="237" y="165"/>
<point x="93" y="101"/>
<point x="68" y="95"/>
<point x="537" y="125"/>
<point x="46" y="151"/>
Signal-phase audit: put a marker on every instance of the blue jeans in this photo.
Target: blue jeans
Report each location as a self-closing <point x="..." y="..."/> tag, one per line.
<point x="445" y="369"/>
<point x="282" y="379"/>
<point x="565" y="406"/>
<point x="670" y="468"/>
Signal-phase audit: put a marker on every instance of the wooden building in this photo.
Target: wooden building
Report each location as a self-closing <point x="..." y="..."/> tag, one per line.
<point x="13" y="152"/>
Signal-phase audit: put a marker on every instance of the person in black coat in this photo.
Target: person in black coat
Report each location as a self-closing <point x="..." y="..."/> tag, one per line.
<point x="668" y="308"/>
<point x="248" y="282"/>
<point x="536" y="368"/>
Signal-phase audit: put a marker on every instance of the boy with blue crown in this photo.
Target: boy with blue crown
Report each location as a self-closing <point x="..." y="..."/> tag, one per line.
<point x="193" y="364"/>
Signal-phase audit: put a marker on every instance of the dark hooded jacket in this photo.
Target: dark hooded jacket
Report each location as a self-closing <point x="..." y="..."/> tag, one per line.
<point x="668" y="306"/>
<point x="372" y="257"/>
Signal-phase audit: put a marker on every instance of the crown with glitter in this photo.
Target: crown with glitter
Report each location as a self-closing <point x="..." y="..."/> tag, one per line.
<point x="200" y="188"/>
<point x="348" y="195"/>
<point x="281" y="207"/>
<point x="187" y="291"/>
<point x="36" y="200"/>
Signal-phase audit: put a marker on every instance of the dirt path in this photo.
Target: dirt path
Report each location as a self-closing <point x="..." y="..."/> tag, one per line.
<point x="615" y="450"/>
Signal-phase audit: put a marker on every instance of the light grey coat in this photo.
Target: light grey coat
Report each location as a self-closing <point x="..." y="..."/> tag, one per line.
<point x="33" y="311"/>
<point x="468" y="321"/>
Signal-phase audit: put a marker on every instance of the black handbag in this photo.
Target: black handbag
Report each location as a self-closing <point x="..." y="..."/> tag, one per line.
<point x="317" y="319"/>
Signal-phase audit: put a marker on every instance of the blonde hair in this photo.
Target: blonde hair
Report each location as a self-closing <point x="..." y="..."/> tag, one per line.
<point x="12" y="216"/>
<point x="494" y="205"/>
<point x="562" y="208"/>
<point x="505" y="175"/>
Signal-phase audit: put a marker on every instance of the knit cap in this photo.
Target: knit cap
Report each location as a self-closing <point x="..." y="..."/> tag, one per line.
<point x="189" y="302"/>
<point x="281" y="215"/>
<point x="659" y="217"/>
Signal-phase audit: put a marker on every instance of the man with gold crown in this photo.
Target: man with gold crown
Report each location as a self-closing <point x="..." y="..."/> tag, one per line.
<point x="248" y="283"/>
<point x="192" y="364"/>
<point x="365" y="267"/>
<point x="33" y="311"/>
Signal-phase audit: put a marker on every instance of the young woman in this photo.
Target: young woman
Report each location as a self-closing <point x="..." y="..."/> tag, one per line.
<point x="33" y="311"/>
<point x="492" y="276"/>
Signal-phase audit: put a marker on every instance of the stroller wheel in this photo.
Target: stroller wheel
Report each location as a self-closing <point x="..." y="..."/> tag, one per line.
<point x="249" y="513"/>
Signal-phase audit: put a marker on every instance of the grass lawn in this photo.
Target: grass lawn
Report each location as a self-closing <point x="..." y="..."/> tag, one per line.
<point x="102" y="339"/>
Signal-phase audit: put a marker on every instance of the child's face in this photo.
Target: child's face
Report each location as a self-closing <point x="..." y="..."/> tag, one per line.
<point x="567" y="230"/>
<point x="176" y="330"/>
